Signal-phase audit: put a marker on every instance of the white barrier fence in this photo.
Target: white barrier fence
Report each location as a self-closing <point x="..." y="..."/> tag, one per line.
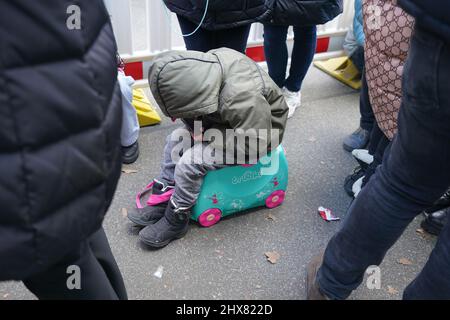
<point x="144" y="28"/>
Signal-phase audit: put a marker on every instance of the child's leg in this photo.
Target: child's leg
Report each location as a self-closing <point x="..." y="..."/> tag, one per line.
<point x="167" y="164"/>
<point x="162" y="190"/>
<point x="189" y="172"/>
<point x="130" y="125"/>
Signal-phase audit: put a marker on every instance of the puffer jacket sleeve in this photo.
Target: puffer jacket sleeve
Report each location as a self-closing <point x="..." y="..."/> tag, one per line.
<point x="303" y="12"/>
<point x="60" y="118"/>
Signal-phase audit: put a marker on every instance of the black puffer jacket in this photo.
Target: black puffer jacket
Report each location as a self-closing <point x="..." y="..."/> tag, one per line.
<point x="221" y="14"/>
<point x="60" y="120"/>
<point x="303" y="12"/>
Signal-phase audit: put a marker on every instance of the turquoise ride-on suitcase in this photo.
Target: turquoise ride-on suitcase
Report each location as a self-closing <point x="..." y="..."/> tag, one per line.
<point x="238" y="188"/>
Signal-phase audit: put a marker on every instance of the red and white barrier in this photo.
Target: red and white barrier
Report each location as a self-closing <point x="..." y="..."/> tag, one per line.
<point x="145" y="28"/>
<point x="328" y="46"/>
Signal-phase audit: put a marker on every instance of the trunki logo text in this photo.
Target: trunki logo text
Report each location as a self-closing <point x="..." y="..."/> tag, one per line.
<point x="247" y="176"/>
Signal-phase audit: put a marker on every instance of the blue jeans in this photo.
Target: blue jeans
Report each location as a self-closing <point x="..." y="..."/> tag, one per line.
<point x="204" y="40"/>
<point x="129" y="132"/>
<point x="276" y="52"/>
<point x="412" y="176"/>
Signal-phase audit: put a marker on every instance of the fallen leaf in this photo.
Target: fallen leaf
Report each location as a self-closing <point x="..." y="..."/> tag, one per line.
<point x="6" y="295"/>
<point x="124" y="212"/>
<point x="423" y="234"/>
<point x="405" y="262"/>
<point x="128" y="171"/>
<point x="270" y="217"/>
<point x="272" y="256"/>
<point x="392" y="290"/>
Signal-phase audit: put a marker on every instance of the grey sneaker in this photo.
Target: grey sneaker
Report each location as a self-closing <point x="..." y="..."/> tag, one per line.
<point x="357" y="140"/>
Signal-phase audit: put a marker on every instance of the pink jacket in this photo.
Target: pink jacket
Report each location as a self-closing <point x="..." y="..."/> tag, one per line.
<point x="388" y="30"/>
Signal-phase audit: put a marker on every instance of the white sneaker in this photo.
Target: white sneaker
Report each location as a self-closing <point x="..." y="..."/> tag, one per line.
<point x="356" y="188"/>
<point x="363" y="155"/>
<point x="293" y="100"/>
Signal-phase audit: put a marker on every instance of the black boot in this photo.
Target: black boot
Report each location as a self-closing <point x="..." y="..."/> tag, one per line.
<point x="148" y="215"/>
<point x="435" y="222"/>
<point x="151" y="214"/>
<point x="442" y="203"/>
<point x="130" y="153"/>
<point x="174" y="225"/>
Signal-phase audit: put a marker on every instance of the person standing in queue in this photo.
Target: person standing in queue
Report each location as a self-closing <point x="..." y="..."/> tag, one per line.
<point x="60" y="151"/>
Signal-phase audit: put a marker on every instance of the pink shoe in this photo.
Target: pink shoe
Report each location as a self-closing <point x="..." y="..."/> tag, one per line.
<point x="160" y="193"/>
<point x="156" y="204"/>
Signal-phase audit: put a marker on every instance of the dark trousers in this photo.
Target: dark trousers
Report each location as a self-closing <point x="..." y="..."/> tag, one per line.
<point x="276" y="52"/>
<point x="357" y="58"/>
<point x="378" y="145"/>
<point x="204" y="40"/>
<point x="412" y="176"/>
<point x="99" y="274"/>
<point x="367" y="119"/>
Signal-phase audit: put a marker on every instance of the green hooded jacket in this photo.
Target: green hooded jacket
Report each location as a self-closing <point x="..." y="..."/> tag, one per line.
<point x="227" y="89"/>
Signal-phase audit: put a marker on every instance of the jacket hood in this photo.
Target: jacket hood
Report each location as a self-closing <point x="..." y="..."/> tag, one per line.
<point x="186" y="84"/>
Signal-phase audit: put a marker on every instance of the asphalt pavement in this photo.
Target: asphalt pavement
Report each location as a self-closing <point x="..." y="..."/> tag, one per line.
<point x="227" y="261"/>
